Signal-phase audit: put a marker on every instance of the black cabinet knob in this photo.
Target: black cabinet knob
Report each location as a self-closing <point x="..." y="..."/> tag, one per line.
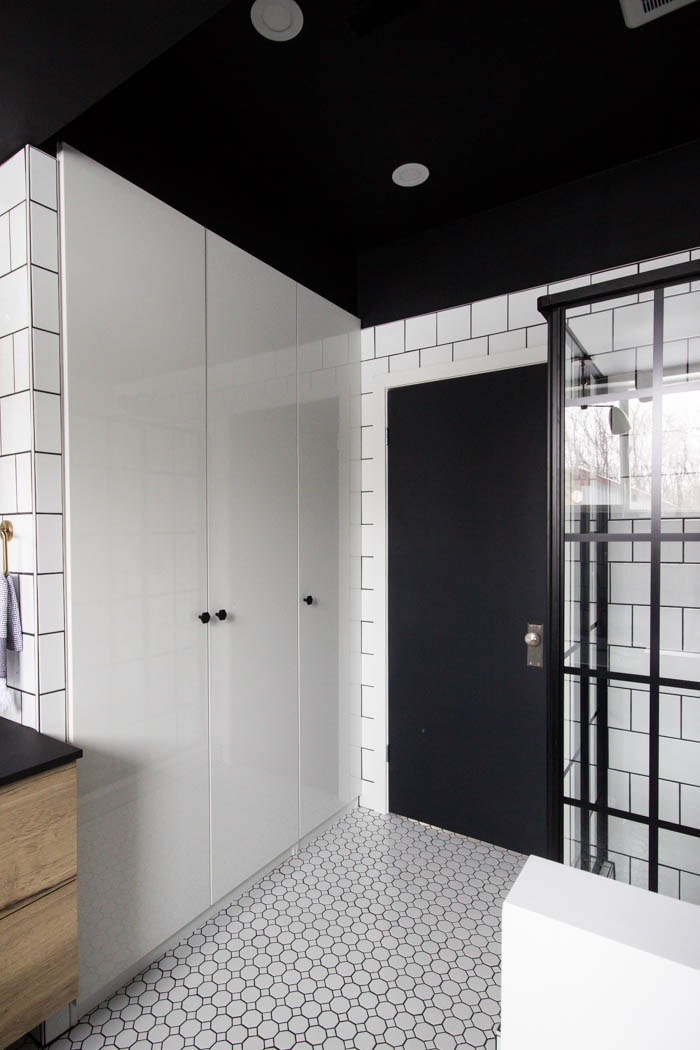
<point x="222" y="614"/>
<point x="205" y="617"/>
<point x="309" y="599"/>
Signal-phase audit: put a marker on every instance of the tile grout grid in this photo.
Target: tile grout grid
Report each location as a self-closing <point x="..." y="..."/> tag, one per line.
<point x="380" y="933"/>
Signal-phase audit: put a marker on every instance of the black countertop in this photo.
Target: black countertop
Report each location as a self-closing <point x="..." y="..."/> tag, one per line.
<point x="24" y="751"/>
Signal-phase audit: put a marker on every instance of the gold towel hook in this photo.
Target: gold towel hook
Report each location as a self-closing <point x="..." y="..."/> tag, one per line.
<point x="7" y="532"/>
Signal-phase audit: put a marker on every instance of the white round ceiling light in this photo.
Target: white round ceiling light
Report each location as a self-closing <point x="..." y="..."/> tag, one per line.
<point x="277" y="19"/>
<point x="412" y="174"/>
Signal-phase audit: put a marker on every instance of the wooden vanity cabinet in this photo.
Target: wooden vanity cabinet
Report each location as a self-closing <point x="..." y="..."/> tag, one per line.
<point x="38" y="899"/>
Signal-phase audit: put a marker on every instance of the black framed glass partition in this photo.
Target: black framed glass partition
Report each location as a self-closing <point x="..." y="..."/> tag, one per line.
<point x="624" y="616"/>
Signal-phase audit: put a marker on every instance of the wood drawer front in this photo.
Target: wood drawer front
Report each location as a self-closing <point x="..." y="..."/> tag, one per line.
<point x="39" y="953"/>
<point x="38" y="836"/>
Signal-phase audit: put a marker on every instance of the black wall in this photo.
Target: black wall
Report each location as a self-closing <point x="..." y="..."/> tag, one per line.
<point x="646" y="208"/>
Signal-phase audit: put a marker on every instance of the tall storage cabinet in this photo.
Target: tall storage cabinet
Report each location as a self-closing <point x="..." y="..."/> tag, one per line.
<point x="253" y="575"/>
<point x="328" y="394"/>
<point x="135" y="443"/>
<point x="212" y="443"/>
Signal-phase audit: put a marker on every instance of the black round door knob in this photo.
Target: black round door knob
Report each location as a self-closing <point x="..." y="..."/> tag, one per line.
<point x="309" y="599"/>
<point x="205" y="617"/>
<point x="222" y="614"/>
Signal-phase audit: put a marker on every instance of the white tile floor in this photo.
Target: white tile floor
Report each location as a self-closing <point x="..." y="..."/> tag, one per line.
<point x="381" y="933"/>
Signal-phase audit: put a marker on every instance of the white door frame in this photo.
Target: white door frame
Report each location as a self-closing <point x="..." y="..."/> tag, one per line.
<point x="376" y="795"/>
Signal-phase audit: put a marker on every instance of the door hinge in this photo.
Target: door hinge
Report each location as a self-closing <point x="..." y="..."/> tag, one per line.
<point x="387" y="435"/>
<point x="387" y="752"/>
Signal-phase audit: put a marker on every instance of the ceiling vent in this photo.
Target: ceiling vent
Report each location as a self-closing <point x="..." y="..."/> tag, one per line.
<point x="639" y="12"/>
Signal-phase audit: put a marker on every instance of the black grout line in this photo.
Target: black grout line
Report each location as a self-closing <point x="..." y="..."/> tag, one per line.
<point x="46" y="269"/>
<point x="46" y="207"/>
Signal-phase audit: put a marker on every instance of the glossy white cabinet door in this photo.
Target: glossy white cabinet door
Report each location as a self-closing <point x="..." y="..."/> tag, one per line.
<point x="329" y="746"/>
<point x="252" y="492"/>
<point x="134" y="369"/>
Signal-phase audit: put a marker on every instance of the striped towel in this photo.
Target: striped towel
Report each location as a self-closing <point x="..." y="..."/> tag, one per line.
<point x="10" y="621"/>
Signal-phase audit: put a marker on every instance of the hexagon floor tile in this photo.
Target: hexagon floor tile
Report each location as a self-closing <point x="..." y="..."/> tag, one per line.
<point x="382" y="933"/>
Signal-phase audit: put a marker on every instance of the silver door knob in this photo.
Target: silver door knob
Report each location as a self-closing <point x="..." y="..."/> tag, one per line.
<point x="532" y="638"/>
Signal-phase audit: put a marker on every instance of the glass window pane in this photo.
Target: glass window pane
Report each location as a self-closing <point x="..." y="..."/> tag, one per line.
<point x="572" y="738"/>
<point x="608" y="375"/>
<point x="617" y="718"/>
<point x="580" y="695"/>
<point x="679" y="857"/>
<point x="607" y="462"/>
<point x="628" y="747"/>
<point x="606" y="608"/>
<point x="610" y="846"/>
<point x="681" y="761"/>
<point x="680" y="611"/>
<point x="609" y="349"/>
<point x="680" y="483"/>
<point x="572" y="835"/>
<point x="609" y="417"/>
<point x="681" y="334"/>
<point x="580" y="838"/>
<point x="628" y="850"/>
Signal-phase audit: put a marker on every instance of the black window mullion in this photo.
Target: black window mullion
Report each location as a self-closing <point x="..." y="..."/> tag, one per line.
<point x="555" y="588"/>
<point x="655" y="586"/>
<point x="585" y="690"/>
<point x="594" y="670"/>
<point x="602" y="663"/>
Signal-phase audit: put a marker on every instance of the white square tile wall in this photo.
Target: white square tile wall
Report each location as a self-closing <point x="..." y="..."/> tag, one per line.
<point x="490" y="315"/>
<point x="20" y="353"/>
<point x="42" y="179"/>
<point x="52" y="707"/>
<point x="31" y="467"/>
<point x="14" y="301"/>
<point x="18" y="235"/>
<point x="454" y="325"/>
<point x="44" y="229"/>
<point x="389" y="339"/>
<point x="7" y="366"/>
<point x="50" y="595"/>
<point x="23" y="471"/>
<point x="522" y="308"/>
<point x="504" y="342"/>
<point x="470" y="348"/>
<point x="8" y="485"/>
<point x="44" y="299"/>
<point x="436" y="355"/>
<point x="21" y="667"/>
<point x="421" y="332"/>
<point x="52" y="672"/>
<point x="5" y="260"/>
<point x="48" y="477"/>
<point x="13" y="185"/>
<point x="47" y="372"/>
<point x="16" y="423"/>
<point x="49" y="542"/>
<point x="47" y="422"/>
<point x="27" y="602"/>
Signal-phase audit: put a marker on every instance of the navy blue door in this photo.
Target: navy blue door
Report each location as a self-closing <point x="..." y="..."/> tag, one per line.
<point x="467" y="557"/>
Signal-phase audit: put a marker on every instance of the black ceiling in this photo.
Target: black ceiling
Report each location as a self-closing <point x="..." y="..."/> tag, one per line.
<point x="57" y="57"/>
<point x="288" y="149"/>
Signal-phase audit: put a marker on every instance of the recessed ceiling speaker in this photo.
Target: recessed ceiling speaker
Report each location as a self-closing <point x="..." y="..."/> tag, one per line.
<point x="411" y="174"/>
<point x="277" y="19"/>
<point x="639" y="12"/>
